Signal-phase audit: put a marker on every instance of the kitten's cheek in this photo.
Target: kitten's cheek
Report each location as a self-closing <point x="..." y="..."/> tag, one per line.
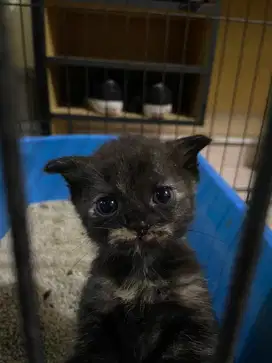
<point x="180" y="196"/>
<point x="121" y="235"/>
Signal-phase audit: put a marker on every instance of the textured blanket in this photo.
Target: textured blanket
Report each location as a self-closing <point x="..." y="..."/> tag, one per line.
<point x="62" y="256"/>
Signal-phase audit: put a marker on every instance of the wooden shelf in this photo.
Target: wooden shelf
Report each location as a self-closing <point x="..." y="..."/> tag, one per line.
<point x="63" y="126"/>
<point x="136" y="6"/>
<point x="85" y="31"/>
<point x="92" y="126"/>
<point x="131" y="45"/>
<point x="68" y="91"/>
<point x="80" y="112"/>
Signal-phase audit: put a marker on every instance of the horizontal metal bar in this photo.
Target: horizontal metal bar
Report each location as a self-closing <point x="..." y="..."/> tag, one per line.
<point x="168" y="5"/>
<point x="129" y="120"/>
<point x="233" y="142"/>
<point x="181" y="14"/>
<point x="243" y="189"/>
<point x="18" y="3"/>
<point x="128" y="65"/>
<point x="154" y="5"/>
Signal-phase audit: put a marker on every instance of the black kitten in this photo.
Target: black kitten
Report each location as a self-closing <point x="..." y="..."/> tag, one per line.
<point x="145" y="299"/>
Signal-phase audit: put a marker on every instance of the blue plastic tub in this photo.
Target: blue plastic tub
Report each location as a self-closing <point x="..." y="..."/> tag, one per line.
<point x="214" y="234"/>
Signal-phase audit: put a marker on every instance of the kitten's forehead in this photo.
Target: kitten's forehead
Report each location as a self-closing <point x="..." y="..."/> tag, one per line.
<point x="129" y="161"/>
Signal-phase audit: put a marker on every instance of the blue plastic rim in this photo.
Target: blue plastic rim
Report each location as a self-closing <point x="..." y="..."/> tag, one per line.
<point x="214" y="235"/>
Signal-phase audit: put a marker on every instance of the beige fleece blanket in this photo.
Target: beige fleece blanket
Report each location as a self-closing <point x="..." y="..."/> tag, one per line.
<point x="62" y="256"/>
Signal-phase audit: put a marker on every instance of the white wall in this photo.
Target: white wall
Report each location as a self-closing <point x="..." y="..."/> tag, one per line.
<point x="20" y="35"/>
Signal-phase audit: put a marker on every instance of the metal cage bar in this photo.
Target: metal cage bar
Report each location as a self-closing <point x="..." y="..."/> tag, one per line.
<point x="16" y="203"/>
<point x="248" y="251"/>
<point x="38" y="35"/>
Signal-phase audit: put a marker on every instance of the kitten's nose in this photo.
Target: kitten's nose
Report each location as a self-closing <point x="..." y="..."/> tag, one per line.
<point x="140" y="226"/>
<point x="142" y="229"/>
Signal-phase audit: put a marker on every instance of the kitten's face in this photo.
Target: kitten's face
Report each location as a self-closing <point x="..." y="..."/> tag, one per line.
<point x="132" y="192"/>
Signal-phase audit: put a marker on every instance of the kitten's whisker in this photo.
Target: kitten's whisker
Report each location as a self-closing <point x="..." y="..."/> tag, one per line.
<point x="75" y="248"/>
<point x="161" y="213"/>
<point x="77" y="262"/>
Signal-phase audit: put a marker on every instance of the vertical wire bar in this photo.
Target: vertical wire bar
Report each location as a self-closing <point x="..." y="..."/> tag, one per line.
<point x="215" y="19"/>
<point x="217" y="88"/>
<point x="252" y="91"/>
<point x="38" y="36"/>
<point x="220" y="72"/>
<point x="165" y="52"/>
<point x="194" y="126"/>
<point x="67" y="82"/>
<point x="214" y="26"/>
<point x="126" y="102"/>
<point x="147" y="28"/>
<point x="269" y="99"/>
<point x="87" y="80"/>
<point x="30" y="108"/>
<point x="249" y="189"/>
<point x="106" y="72"/>
<point x="62" y="26"/>
<point x="127" y="22"/>
<point x="87" y="73"/>
<point x="236" y="83"/>
<point x="13" y="180"/>
<point x="249" y="250"/>
<point x="183" y="61"/>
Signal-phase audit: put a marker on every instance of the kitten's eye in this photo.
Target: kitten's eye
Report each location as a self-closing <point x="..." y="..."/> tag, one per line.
<point x="106" y="206"/>
<point x="162" y="195"/>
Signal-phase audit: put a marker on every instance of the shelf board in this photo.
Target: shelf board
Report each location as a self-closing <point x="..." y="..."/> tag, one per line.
<point x="139" y="6"/>
<point x="128" y="65"/>
<point x="81" y="113"/>
<point x="205" y="9"/>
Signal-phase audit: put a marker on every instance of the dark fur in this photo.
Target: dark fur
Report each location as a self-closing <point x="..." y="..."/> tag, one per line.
<point x="145" y="300"/>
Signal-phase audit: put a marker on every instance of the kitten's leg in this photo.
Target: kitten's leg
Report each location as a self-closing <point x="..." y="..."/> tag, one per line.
<point x="182" y="351"/>
<point x="97" y="341"/>
<point x="187" y="338"/>
<point x="94" y="344"/>
<point x="190" y="335"/>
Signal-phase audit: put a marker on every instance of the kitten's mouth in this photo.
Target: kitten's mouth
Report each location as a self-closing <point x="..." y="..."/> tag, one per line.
<point x="153" y="235"/>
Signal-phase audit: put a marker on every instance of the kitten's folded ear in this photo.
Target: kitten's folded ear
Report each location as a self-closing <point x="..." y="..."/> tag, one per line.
<point x="72" y="168"/>
<point x="184" y="151"/>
